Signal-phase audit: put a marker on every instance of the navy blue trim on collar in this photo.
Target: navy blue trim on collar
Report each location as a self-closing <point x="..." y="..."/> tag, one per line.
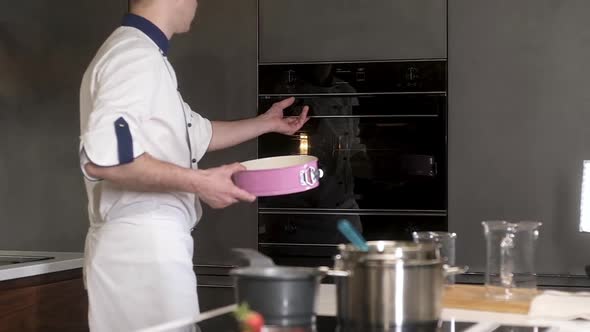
<point x="148" y="28"/>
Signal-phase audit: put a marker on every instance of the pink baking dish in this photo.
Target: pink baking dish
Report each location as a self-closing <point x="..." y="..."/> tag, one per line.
<point x="279" y="175"/>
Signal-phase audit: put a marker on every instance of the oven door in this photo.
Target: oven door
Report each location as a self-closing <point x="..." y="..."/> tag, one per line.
<point x="311" y="238"/>
<point x="378" y="152"/>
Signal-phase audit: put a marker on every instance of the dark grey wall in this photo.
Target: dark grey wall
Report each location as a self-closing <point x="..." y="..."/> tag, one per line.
<point x="216" y="65"/>
<point x="519" y="113"/>
<point x="330" y="30"/>
<point x="44" y="49"/>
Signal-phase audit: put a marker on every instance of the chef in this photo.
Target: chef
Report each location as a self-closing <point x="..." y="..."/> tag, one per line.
<point x="140" y="145"/>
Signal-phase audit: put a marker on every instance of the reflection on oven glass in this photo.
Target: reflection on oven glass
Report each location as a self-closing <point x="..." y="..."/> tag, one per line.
<point x="334" y="141"/>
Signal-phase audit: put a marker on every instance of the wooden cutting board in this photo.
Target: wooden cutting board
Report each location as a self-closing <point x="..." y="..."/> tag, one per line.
<point x="473" y="297"/>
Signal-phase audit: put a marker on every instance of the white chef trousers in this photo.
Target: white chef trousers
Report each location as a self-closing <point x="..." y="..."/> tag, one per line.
<point x="139" y="273"/>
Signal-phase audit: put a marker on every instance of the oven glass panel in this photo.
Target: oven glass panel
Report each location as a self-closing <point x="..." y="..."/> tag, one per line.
<point x="384" y="152"/>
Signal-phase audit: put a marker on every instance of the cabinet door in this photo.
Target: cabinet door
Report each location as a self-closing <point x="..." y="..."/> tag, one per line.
<point x="518" y="124"/>
<point x="216" y="67"/>
<point x="328" y="30"/>
<point x="48" y="302"/>
<point x="214" y="297"/>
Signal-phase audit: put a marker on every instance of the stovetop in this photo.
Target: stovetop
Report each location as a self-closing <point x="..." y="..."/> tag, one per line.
<point x="329" y="324"/>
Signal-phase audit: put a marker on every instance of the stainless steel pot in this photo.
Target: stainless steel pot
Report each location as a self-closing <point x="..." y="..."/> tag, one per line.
<point x="391" y="284"/>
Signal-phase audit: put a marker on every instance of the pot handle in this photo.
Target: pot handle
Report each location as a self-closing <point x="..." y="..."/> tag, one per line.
<point x="254" y="258"/>
<point x="454" y="270"/>
<point x="334" y="273"/>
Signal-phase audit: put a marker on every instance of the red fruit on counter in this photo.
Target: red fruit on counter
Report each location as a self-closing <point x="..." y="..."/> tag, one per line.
<point x="254" y="322"/>
<point x="250" y="321"/>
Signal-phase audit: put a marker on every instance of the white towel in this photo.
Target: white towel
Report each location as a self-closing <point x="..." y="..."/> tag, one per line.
<point x="562" y="305"/>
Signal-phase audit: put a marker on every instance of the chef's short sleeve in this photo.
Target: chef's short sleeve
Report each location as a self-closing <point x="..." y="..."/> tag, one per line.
<point x="201" y="134"/>
<point x="122" y="88"/>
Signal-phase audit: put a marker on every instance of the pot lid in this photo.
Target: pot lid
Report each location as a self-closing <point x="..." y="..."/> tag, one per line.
<point x="409" y="252"/>
<point x="277" y="272"/>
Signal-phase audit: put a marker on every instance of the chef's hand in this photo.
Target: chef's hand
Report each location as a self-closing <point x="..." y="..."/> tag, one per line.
<point x="278" y="123"/>
<point x="216" y="188"/>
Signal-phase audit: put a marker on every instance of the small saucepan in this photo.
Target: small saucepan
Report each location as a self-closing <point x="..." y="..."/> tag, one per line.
<point x="285" y="296"/>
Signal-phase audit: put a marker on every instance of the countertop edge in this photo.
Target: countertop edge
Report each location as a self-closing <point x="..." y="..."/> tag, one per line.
<point x="62" y="261"/>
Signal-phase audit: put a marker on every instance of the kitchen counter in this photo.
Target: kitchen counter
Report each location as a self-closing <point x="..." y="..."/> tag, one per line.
<point x="454" y="319"/>
<point x="486" y="320"/>
<point x="37" y="263"/>
<point x="42" y="291"/>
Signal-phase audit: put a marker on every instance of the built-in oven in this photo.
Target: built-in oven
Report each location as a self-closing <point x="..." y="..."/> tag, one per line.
<point x="379" y="131"/>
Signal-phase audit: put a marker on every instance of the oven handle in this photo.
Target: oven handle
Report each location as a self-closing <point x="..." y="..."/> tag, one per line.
<point x="275" y="244"/>
<point x="214" y="286"/>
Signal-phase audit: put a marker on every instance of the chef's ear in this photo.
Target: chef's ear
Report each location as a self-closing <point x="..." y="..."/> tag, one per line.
<point x="135" y="3"/>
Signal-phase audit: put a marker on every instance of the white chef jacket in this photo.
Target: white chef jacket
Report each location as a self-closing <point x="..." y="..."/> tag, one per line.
<point x="129" y="105"/>
<point x="138" y="256"/>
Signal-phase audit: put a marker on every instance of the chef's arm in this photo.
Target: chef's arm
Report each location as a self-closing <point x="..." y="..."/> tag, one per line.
<point x="214" y="185"/>
<point x="229" y="133"/>
<point x="146" y="173"/>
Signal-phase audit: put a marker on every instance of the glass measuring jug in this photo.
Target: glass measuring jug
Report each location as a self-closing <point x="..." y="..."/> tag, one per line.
<point x="446" y="243"/>
<point x="510" y="259"/>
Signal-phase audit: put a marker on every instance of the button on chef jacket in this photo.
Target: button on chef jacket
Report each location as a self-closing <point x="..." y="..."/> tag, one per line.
<point x="130" y="105"/>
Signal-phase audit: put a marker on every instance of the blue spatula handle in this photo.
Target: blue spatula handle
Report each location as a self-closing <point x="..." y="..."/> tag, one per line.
<point x="352" y="235"/>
